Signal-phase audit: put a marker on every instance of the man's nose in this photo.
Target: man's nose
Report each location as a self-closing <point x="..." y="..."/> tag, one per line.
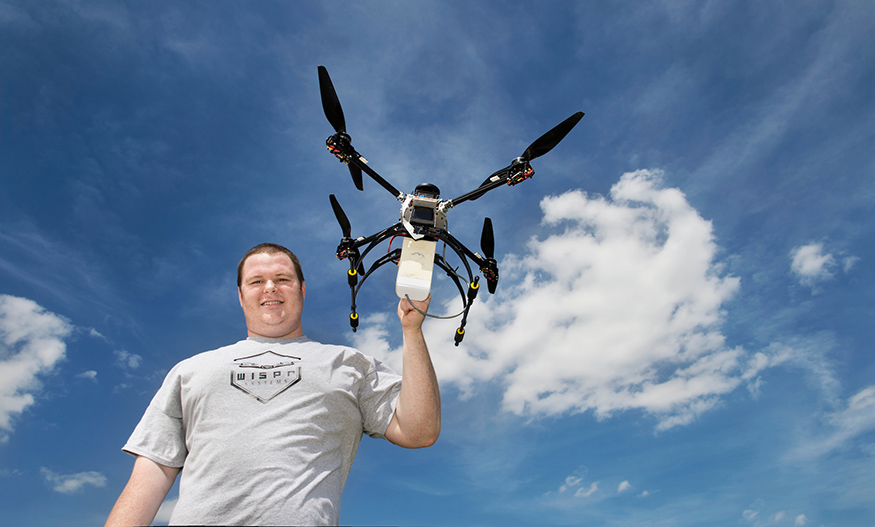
<point x="269" y="285"/>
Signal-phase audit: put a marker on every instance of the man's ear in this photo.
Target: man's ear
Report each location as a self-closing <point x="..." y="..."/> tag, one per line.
<point x="240" y="296"/>
<point x="303" y="290"/>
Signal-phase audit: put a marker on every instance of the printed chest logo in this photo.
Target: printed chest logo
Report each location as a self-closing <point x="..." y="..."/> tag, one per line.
<point x="265" y="375"/>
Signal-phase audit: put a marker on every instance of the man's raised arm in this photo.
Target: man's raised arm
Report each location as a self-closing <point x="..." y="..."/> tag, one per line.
<point x="417" y="419"/>
<point x="143" y="494"/>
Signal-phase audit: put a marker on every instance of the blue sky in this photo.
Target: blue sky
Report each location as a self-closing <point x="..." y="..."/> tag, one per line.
<point x="682" y="333"/>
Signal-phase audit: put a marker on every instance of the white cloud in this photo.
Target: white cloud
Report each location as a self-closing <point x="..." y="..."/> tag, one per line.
<point x="582" y="492"/>
<point x="31" y="344"/>
<point x="165" y="510"/>
<point x="90" y="375"/>
<point x="855" y="418"/>
<point x="810" y="265"/>
<point x="570" y="481"/>
<point x="859" y="414"/>
<point x="752" y="513"/>
<point x="848" y="263"/>
<point x="96" y="334"/>
<point x="616" y="306"/>
<point x="587" y="492"/>
<point x="69" y="484"/>
<point x="778" y="517"/>
<point x="624" y="486"/>
<point x="800" y="520"/>
<point x="372" y="336"/>
<point x="127" y="360"/>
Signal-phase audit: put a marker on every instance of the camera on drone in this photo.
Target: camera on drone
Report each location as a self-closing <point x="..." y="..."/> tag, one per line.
<point x="421" y="214"/>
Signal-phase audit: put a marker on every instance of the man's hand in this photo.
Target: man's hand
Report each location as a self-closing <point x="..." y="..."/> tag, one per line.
<point x="417" y="419"/>
<point x="408" y="314"/>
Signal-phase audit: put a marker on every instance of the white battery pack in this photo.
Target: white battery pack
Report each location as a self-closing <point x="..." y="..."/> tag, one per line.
<point x="415" y="269"/>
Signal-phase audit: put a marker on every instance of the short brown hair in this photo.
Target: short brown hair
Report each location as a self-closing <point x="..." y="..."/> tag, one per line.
<point x="269" y="248"/>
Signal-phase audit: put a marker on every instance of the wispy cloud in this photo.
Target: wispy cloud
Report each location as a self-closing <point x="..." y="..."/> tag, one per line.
<point x="570" y="482"/>
<point x="618" y="307"/>
<point x="758" y="516"/>
<point x="6" y="473"/>
<point x="849" y="262"/>
<point x="574" y="483"/>
<point x="855" y="417"/>
<point x="830" y="65"/>
<point x="31" y="344"/>
<point x="72" y="483"/>
<point x="585" y="492"/>
<point x="96" y="334"/>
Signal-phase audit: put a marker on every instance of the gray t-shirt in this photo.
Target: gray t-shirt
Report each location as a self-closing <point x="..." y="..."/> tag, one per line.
<point x="265" y="430"/>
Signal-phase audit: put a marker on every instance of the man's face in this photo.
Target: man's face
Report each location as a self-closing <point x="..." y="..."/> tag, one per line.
<point x="272" y="296"/>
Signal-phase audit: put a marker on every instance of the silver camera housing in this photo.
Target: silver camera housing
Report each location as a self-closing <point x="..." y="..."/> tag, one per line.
<point x="422" y="216"/>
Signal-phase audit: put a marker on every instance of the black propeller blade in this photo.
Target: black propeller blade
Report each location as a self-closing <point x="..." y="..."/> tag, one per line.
<point x="356" y="172"/>
<point x="487" y="245"/>
<point x="334" y="113"/>
<point x="330" y="102"/>
<point x="345" y="227"/>
<point x="487" y="239"/>
<point x="546" y="142"/>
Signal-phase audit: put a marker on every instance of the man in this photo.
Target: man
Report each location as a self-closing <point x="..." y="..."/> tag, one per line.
<point x="265" y="431"/>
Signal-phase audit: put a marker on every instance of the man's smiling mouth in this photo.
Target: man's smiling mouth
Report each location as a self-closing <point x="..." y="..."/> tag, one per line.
<point x="272" y="303"/>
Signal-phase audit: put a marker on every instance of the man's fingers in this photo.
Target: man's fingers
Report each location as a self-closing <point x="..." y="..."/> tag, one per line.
<point x="407" y="306"/>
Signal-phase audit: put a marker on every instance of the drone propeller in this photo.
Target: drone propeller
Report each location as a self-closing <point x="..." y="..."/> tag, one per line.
<point x="346" y="249"/>
<point x="330" y="102"/>
<point x="546" y="142"/>
<point x="487" y="239"/>
<point x="520" y="170"/>
<point x="334" y="113"/>
<point x="356" y="174"/>
<point x="487" y="245"/>
<point x="345" y="227"/>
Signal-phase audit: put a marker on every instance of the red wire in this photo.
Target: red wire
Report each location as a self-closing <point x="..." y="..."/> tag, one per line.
<point x="392" y="239"/>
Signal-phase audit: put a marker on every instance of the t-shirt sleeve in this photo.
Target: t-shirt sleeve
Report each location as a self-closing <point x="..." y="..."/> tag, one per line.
<point x="160" y="435"/>
<point x="378" y="395"/>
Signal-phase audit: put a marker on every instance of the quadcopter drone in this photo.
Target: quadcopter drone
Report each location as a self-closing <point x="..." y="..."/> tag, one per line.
<point x="423" y="219"/>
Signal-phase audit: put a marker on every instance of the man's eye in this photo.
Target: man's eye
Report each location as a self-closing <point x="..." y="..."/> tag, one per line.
<point x="254" y="282"/>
